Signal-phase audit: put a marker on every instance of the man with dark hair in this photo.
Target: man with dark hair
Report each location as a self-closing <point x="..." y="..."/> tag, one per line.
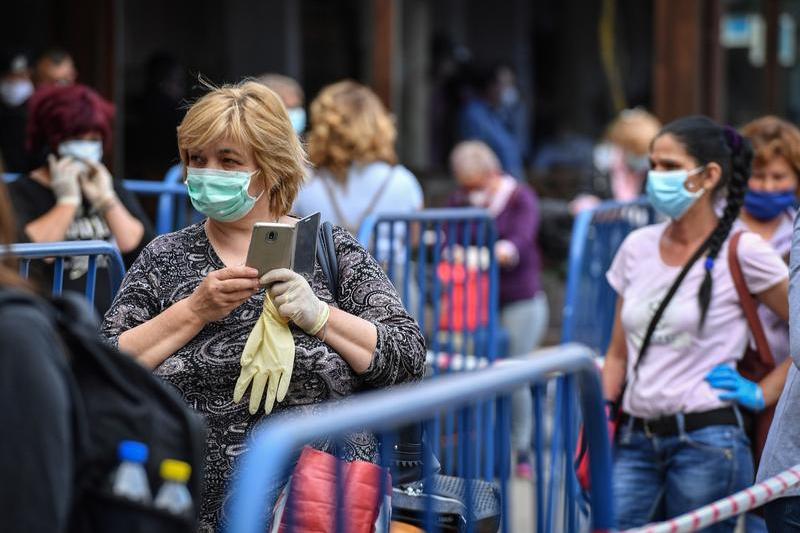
<point x="15" y="89"/>
<point x="55" y="66"/>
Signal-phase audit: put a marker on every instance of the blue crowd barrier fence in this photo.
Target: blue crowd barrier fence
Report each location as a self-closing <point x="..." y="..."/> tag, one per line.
<point x="481" y="399"/>
<point x="174" y="210"/>
<point x="60" y="251"/>
<point x="443" y="264"/>
<point x="590" y="302"/>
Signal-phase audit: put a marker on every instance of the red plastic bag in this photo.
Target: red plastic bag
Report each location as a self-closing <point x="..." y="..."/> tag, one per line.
<point x="469" y="283"/>
<point x="312" y="493"/>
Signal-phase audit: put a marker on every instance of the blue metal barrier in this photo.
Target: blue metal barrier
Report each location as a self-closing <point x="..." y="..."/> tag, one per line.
<point x="275" y="443"/>
<point x="443" y="264"/>
<point x="8" y="177"/>
<point x="174" y="210"/>
<point x="590" y="302"/>
<point x="26" y="252"/>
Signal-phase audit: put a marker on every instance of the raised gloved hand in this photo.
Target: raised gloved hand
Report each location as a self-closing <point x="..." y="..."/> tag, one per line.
<point x="267" y="360"/>
<point x="98" y="186"/>
<point x="740" y="390"/>
<point x="295" y="300"/>
<point x="64" y="179"/>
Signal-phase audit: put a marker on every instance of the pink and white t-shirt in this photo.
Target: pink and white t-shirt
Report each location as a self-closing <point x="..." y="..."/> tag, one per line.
<point x="671" y="377"/>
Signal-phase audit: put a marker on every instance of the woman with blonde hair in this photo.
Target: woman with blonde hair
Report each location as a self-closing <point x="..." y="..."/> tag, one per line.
<point x="351" y="145"/>
<point x="192" y="312"/>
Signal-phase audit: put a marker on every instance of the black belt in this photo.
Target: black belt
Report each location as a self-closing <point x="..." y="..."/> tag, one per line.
<point x="667" y="426"/>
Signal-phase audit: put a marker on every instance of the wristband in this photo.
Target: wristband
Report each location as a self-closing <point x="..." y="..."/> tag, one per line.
<point x="322" y="321"/>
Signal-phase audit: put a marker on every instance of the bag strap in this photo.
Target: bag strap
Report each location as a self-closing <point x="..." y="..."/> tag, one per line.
<point x="326" y="256"/>
<point x="651" y="328"/>
<point x="343" y="221"/>
<point x="748" y="302"/>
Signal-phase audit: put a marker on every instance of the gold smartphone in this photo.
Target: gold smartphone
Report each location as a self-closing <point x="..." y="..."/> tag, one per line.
<point x="271" y="247"/>
<point x="274" y="245"/>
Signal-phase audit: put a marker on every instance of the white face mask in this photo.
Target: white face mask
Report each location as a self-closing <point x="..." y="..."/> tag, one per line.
<point x="81" y="149"/>
<point x="15" y="92"/>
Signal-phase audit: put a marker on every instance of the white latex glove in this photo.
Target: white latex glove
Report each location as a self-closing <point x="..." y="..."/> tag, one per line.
<point x="98" y="186"/>
<point x="64" y="179"/>
<point x="295" y="300"/>
<point x="267" y="361"/>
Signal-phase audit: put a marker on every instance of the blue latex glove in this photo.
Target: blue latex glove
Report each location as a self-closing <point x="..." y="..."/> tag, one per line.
<point x="740" y="390"/>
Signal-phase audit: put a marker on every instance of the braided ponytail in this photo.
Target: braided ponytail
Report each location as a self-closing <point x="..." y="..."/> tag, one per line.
<point x="707" y="142"/>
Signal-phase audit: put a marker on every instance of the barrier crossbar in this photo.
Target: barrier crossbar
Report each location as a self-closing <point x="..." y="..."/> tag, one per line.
<point x="26" y="252"/>
<point x="274" y="443"/>
<point x="174" y="211"/>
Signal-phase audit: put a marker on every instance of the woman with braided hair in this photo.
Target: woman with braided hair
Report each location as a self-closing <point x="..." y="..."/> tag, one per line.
<point x="681" y="442"/>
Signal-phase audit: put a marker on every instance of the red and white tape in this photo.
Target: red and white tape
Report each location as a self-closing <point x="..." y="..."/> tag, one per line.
<point x="733" y="505"/>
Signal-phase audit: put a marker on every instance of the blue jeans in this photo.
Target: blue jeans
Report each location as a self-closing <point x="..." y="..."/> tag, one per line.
<point x="783" y="515"/>
<point x="658" y="478"/>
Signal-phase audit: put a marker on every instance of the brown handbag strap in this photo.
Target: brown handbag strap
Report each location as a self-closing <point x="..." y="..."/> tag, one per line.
<point x="748" y="302"/>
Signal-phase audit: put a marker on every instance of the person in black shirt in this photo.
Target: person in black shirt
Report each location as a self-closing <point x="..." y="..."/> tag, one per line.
<point x="16" y="88"/>
<point x="36" y="452"/>
<point x="73" y="196"/>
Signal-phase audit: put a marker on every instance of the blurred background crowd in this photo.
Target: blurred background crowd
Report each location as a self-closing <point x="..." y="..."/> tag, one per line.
<point x="566" y="93"/>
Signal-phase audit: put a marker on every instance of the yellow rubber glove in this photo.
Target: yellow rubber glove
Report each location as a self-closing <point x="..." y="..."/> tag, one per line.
<point x="267" y="360"/>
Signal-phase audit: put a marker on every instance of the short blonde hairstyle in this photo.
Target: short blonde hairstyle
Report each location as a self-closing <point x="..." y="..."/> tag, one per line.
<point x="774" y="137"/>
<point x="349" y="124"/>
<point x="634" y="130"/>
<point x="252" y="115"/>
<point x="474" y="158"/>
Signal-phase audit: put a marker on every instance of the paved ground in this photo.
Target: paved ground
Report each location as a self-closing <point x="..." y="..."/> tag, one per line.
<point x="522" y="506"/>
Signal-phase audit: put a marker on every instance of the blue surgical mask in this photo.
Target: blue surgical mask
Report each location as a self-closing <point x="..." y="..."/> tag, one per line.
<point x="220" y="194"/>
<point x="768" y="205"/>
<point x="297" y="116"/>
<point x="667" y="193"/>
<point x="82" y="149"/>
<point x="637" y="163"/>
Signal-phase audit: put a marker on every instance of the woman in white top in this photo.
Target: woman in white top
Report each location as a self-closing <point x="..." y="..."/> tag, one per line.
<point x="681" y="442"/>
<point x="351" y="146"/>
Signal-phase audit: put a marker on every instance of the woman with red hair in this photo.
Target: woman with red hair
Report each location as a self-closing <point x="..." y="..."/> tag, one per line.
<point x="69" y="194"/>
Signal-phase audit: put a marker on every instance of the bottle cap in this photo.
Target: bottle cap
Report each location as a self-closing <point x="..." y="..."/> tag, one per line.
<point x="133" y="451"/>
<point x="174" y="470"/>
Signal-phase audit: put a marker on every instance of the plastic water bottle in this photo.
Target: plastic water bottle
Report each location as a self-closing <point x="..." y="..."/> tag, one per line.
<point x="130" y="478"/>
<point x="173" y="496"/>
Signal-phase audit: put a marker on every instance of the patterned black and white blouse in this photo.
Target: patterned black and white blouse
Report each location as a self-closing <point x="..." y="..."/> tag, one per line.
<point x="205" y="370"/>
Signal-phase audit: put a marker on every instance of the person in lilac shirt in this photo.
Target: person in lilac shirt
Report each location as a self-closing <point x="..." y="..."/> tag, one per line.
<point x="681" y="441"/>
<point x="523" y="304"/>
